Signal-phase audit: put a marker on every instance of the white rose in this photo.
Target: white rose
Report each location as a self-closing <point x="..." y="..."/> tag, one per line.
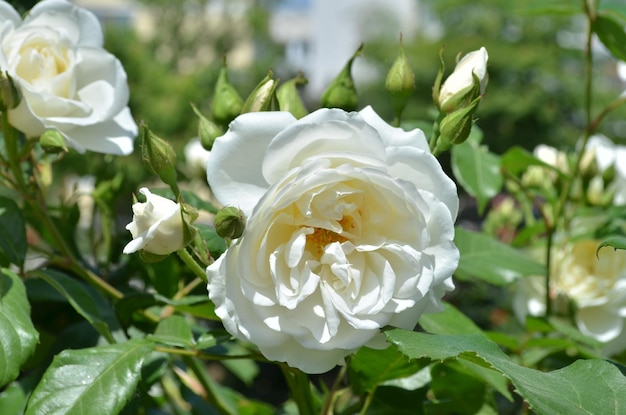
<point x="350" y="229"/>
<point x="461" y="80"/>
<point x="67" y="81"/>
<point x="157" y="226"/>
<point x="596" y="285"/>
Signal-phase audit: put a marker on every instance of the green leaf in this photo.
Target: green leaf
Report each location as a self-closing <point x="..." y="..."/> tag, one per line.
<point x="369" y="367"/>
<point x="18" y="337"/>
<point x="616" y="242"/>
<point x="448" y="321"/>
<point x="214" y="243"/>
<point x="478" y="171"/>
<point x="174" y="331"/>
<point x="13" y="399"/>
<point x="574" y="389"/>
<point x="93" y="381"/>
<point x="492" y="261"/>
<point x="611" y="34"/>
<point x="12" y="232"/>
<point x="389" y="400"/>
<point x="79" y="297"/>
<point x="452" y="384"/>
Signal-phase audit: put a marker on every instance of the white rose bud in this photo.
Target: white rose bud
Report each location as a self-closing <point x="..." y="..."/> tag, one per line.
<point x="457" y="86"/>
<point x="157" y="226"/>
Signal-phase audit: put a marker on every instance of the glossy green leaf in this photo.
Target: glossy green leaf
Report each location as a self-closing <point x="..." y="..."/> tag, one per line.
<point x="490" y="260"/>
<point x="13" y="399"/>
<point x="174" y="331"/>
<point x="79" y="297"/>
<point x="369" y="367"/>
<point x="574" y="389"/>
<point x="18" y="337"/>
<point x="611" y="34"/>
<point x="12" y="232"/>
<point x="478" y="171"/>
<point x="94" y="381"/>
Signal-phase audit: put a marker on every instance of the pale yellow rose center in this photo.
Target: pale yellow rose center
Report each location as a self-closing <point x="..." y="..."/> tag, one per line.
<point x="45" y="65"/>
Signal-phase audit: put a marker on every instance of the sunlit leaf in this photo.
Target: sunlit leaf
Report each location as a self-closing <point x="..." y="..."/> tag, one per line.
<point x="572" y="390"/>
<point x="478" y="171"/>
<point x="94" y="381"/>
<point x="174" y="331"/>
<point x="18" y="337"/>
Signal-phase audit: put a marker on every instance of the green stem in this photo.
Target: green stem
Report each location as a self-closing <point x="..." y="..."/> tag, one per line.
<point x="300" y="388"/>
<point x="368" y="402"/>
<point x="559" y="209"/>
<point x="332" y="394"/>
<point x="192" y="264"/>
<point x="197" y="367"/>
<point x="11" y="145"/>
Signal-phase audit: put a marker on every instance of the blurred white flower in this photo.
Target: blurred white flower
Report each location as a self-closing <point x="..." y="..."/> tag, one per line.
<point x="68" y="82"/>
<point x="608" y="154"/>
<point x="80" y="189"/>
<point x="595" y="286"/>
<point x="196" y="157"/>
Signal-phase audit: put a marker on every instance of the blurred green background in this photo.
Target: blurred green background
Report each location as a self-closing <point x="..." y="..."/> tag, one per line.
<point x="535" y="92"/>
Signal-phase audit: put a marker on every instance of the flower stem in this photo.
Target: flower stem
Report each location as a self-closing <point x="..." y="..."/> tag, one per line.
<point x="10" y="142"/>
<point x="192" y="264"/>
<point x="197" y="367"/>
<point x="300" y="388"/>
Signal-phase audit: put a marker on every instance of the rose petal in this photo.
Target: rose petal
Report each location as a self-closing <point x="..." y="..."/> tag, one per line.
<point x="599" y="323"/>
<point x="344" y="134"/>
<point x="79" y="24"/>
<point x="392" y="136"/>
<point x="234" y="169"/>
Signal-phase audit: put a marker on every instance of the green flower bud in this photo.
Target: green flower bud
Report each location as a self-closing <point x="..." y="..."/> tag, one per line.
<point x="262" y="96"/>
<point x="400" y="82"/>
<point x="455" y="127"/>
<point x="230" y="222"/>
<point x="10" y="96"/>
<point x="342" y="93"/>
<point x="159" y="157"/>
<point x="289" y="99"/>
<point x="53" y="142"/>
<point x="208" y="131"/>
<point x="227" y="103"/>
